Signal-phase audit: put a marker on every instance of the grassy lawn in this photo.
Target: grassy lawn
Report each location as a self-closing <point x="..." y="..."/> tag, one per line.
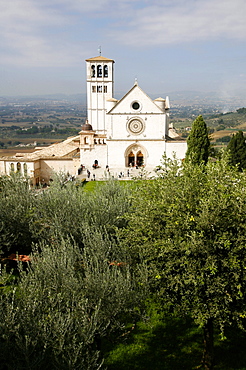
<point x="93" y="185"/>
<point x="157" y="344"/>
<point x="168" y="343"/>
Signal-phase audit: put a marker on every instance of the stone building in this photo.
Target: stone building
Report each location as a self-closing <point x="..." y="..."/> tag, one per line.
<point x="40" y="165"/>
<point x="119" y="134"/>
<point x="127" y="132"/>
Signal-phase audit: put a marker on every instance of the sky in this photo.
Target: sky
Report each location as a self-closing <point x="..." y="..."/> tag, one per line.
<point x="168" y="45"/>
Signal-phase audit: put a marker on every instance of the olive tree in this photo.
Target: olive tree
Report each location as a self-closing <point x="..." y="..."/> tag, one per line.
<point x="63" y="211"/>
<point x="17" y="206"/>
<point x="64" y="303"/>
<point x="79" y="286"/>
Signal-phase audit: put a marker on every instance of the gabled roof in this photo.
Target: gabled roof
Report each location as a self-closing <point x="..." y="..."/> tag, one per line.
<point x="61" y="149"/>
<point x="100" y="58"/>
<point x="131" y="91"/>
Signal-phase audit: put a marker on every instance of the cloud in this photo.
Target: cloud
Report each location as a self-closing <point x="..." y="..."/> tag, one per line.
<point x="182" y="22"/>
<point x="96" y="8"/>
<point x="43" y="33"/>
<point x="23" y="26"/>
<point x="57" y="32"/>
<point x="36" y="51"/>
<point x="22" y="15"/>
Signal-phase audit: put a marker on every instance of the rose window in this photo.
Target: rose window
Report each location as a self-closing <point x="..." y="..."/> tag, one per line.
<point x="136" y="126"/>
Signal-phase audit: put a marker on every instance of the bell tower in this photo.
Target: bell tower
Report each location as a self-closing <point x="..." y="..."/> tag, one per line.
<point x="100" y="88"/>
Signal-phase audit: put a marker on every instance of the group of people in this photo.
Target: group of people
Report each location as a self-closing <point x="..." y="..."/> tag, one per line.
<point x="95" y="165"/>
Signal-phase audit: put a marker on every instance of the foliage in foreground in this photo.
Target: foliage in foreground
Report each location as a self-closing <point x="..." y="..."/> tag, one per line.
<point x="64" y="304"/>
<point x="191" y="227"/>
<point x="188" y="226"/>
<point x="79" y="286"/>
<point x="17" y="206"/>
<point x="58" y="212"/>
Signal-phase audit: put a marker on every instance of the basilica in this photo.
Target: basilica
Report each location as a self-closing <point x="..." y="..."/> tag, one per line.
<point x="133" y="132"/>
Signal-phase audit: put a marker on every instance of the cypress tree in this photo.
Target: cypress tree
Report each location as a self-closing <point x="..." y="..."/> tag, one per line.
<point x="237" y="149"/>
<point x="198" y="142"/>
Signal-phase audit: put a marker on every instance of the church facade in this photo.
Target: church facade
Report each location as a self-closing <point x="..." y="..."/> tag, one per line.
<point x="132" y="132"/>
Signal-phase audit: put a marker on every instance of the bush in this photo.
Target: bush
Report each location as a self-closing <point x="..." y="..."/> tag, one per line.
<point x="60" y="211"/>
<point x="224" y="139"/>
<point x="17" y="207"/>
<point x="57" y="314"/>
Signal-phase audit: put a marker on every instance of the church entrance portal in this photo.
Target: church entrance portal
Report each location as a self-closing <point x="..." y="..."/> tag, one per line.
<point x="135" y="155"/>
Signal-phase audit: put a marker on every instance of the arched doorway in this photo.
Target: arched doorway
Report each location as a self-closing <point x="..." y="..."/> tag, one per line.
<point x="135" y="155"/>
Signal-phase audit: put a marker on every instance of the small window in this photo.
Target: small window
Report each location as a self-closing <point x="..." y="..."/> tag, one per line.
<point x="18" y="166"/>
<point x="105" y="71"/>
<point x="12" y="167"/>
<point x="99" y="71"/>
<point x="93" y="71"/>
<point x="99" y="89"/>
<point x="93" y="88"/>
<point x="135" y="105"/>
<point x="105" y="89"/>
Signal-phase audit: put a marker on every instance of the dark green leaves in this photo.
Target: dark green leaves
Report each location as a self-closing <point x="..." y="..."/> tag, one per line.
<point x="198" y="142"/>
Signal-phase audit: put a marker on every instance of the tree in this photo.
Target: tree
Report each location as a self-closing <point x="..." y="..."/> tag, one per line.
<point x="66" y="210"/>
<point x="60" y="211"/>
<point x="241" y="110"/>
<point x="79" y="286"/>
<point x="198" y="142"/>
<point x="17" y="204"/>
<point x="64" y="303"/>
<point x="190" y="227"/>
<point x="237" y="150"/>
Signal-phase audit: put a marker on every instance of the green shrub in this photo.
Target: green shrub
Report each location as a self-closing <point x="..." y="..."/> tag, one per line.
<point x="64" y="304"/>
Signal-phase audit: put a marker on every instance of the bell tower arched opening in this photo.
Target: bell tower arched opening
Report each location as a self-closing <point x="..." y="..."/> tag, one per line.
<point x="105" y="71"/>
<point x="99" y="71"/>
<point x="93" y="72"/>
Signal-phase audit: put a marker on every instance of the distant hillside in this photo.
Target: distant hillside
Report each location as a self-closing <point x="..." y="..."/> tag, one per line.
<point x="227" y="124"/>
<point x="221" y="125"/>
